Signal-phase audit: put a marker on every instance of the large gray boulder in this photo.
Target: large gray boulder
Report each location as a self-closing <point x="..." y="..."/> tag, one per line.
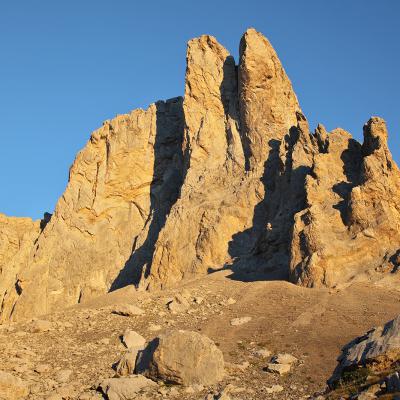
<point x="182" y="357"/>
<point x="377" y="350"/>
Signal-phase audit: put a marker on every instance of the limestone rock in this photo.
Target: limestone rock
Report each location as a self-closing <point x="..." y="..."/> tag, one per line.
<point x="126" y="388"/>
<point x="280" y="369"/>
<point x="12" y="387"/>
<point x="42" y="368"/>
<point x="154" y="327"/>
<point x="134" y="343"/>
<point x="240" y="321"/>
<point x="378" y="349"/>
<point x="274" y="389"/>
<point x="133" y="339"/>
<point x="54" y="396"/>
<point x="281" y="363"/>
<point x="213" y="159"/>
<point x="230" y="176"/>
<point x="268" y="104"/>
<point x="17" y="237"/>
<point x="264" y="353"/>
<point x="222" y="395"/>
<point x="126" y="364"/>
<point x="128" y="310"/>
<point x="231" y="301"/>
<point x="182" y="357"/>
<point x="63" y="376"/>
<point x="40" y="325"/>
<point x="198" y="299"/>
<point x="353" y="189"/>
<point x="284" y="358"/>
<point x="120" y="188"/>
<point x="178" y="304"/>
<point x="223" y="185"/>
<point x="366" y="396"/>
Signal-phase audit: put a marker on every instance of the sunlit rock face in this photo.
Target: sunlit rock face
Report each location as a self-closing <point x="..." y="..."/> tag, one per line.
<point x="229" y="176"/>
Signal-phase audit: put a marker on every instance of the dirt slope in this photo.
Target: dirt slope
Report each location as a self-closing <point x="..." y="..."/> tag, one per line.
<point x="311" y="324"/>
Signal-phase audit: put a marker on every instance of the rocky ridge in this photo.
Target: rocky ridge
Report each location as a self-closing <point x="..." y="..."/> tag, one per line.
<point x="229" y="176"/>
<point x="369" y="365"/>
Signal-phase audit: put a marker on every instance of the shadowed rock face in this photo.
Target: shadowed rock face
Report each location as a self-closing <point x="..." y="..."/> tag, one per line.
<point x="17" y="238"/>
<point x="229" y="176"/>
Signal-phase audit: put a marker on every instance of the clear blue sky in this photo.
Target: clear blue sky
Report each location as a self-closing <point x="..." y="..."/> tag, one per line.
<point x="65" y="66"/>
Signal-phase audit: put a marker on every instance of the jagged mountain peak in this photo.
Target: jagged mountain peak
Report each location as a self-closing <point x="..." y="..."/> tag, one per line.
<point x="229" y="176"/>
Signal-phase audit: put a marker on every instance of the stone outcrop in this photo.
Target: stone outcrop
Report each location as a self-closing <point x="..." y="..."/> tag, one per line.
<point x="183" y="358"/>
<point x="120" y="187"/>
<point x="17" y="238"/>
<point x="379" y="349"/>
<point x="12" y="387"/>
<point x="233" y="123"/>
<point x="371" y="360"/>
<point x="352" y="190"/>
<point x="229" y="176"/>
<point x="132" y="387"/>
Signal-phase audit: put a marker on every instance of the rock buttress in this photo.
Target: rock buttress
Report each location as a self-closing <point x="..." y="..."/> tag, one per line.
<point x="232" y="126"/>
<point x="129" y="166"/>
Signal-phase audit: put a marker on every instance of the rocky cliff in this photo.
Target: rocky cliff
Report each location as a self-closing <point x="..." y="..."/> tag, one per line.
<point x="17" y="238"/>
<point x="230" y="176"/>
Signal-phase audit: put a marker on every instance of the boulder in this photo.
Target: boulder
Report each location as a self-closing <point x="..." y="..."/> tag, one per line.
<point x="42" y="368"/>
<point x="377" y="350"/>
<point x="154" y="327"/>
<point x="39" y="326"/>
<point x="182" y="357"/>
<point x="132" y="339"/>
<point x="126" y="388"/>
<point x="280" y="369"/>
<point x="126" y="364"/>
<point x="369" y="364"/>
<point x="12" y="387"/>
<point x="134" y="342"/>
<point x="63" y="375"/>
<point x="274" y="389"/>
<point x="284" y="358"/>
<point x="240" y="321"/>
<point x="178" y="304"/>
<point x="263" y="353"/>
<point x="127" y="310"/>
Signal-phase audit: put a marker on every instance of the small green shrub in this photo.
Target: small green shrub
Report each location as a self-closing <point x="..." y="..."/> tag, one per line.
<point x="354" y="377"/>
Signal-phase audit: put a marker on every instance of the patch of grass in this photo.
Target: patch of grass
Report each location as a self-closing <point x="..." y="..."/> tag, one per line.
<point x="355" y="381"/>
<point x="310" y="379"/>
<point x="355" y="377"/>
<point x="350" y="383"/>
